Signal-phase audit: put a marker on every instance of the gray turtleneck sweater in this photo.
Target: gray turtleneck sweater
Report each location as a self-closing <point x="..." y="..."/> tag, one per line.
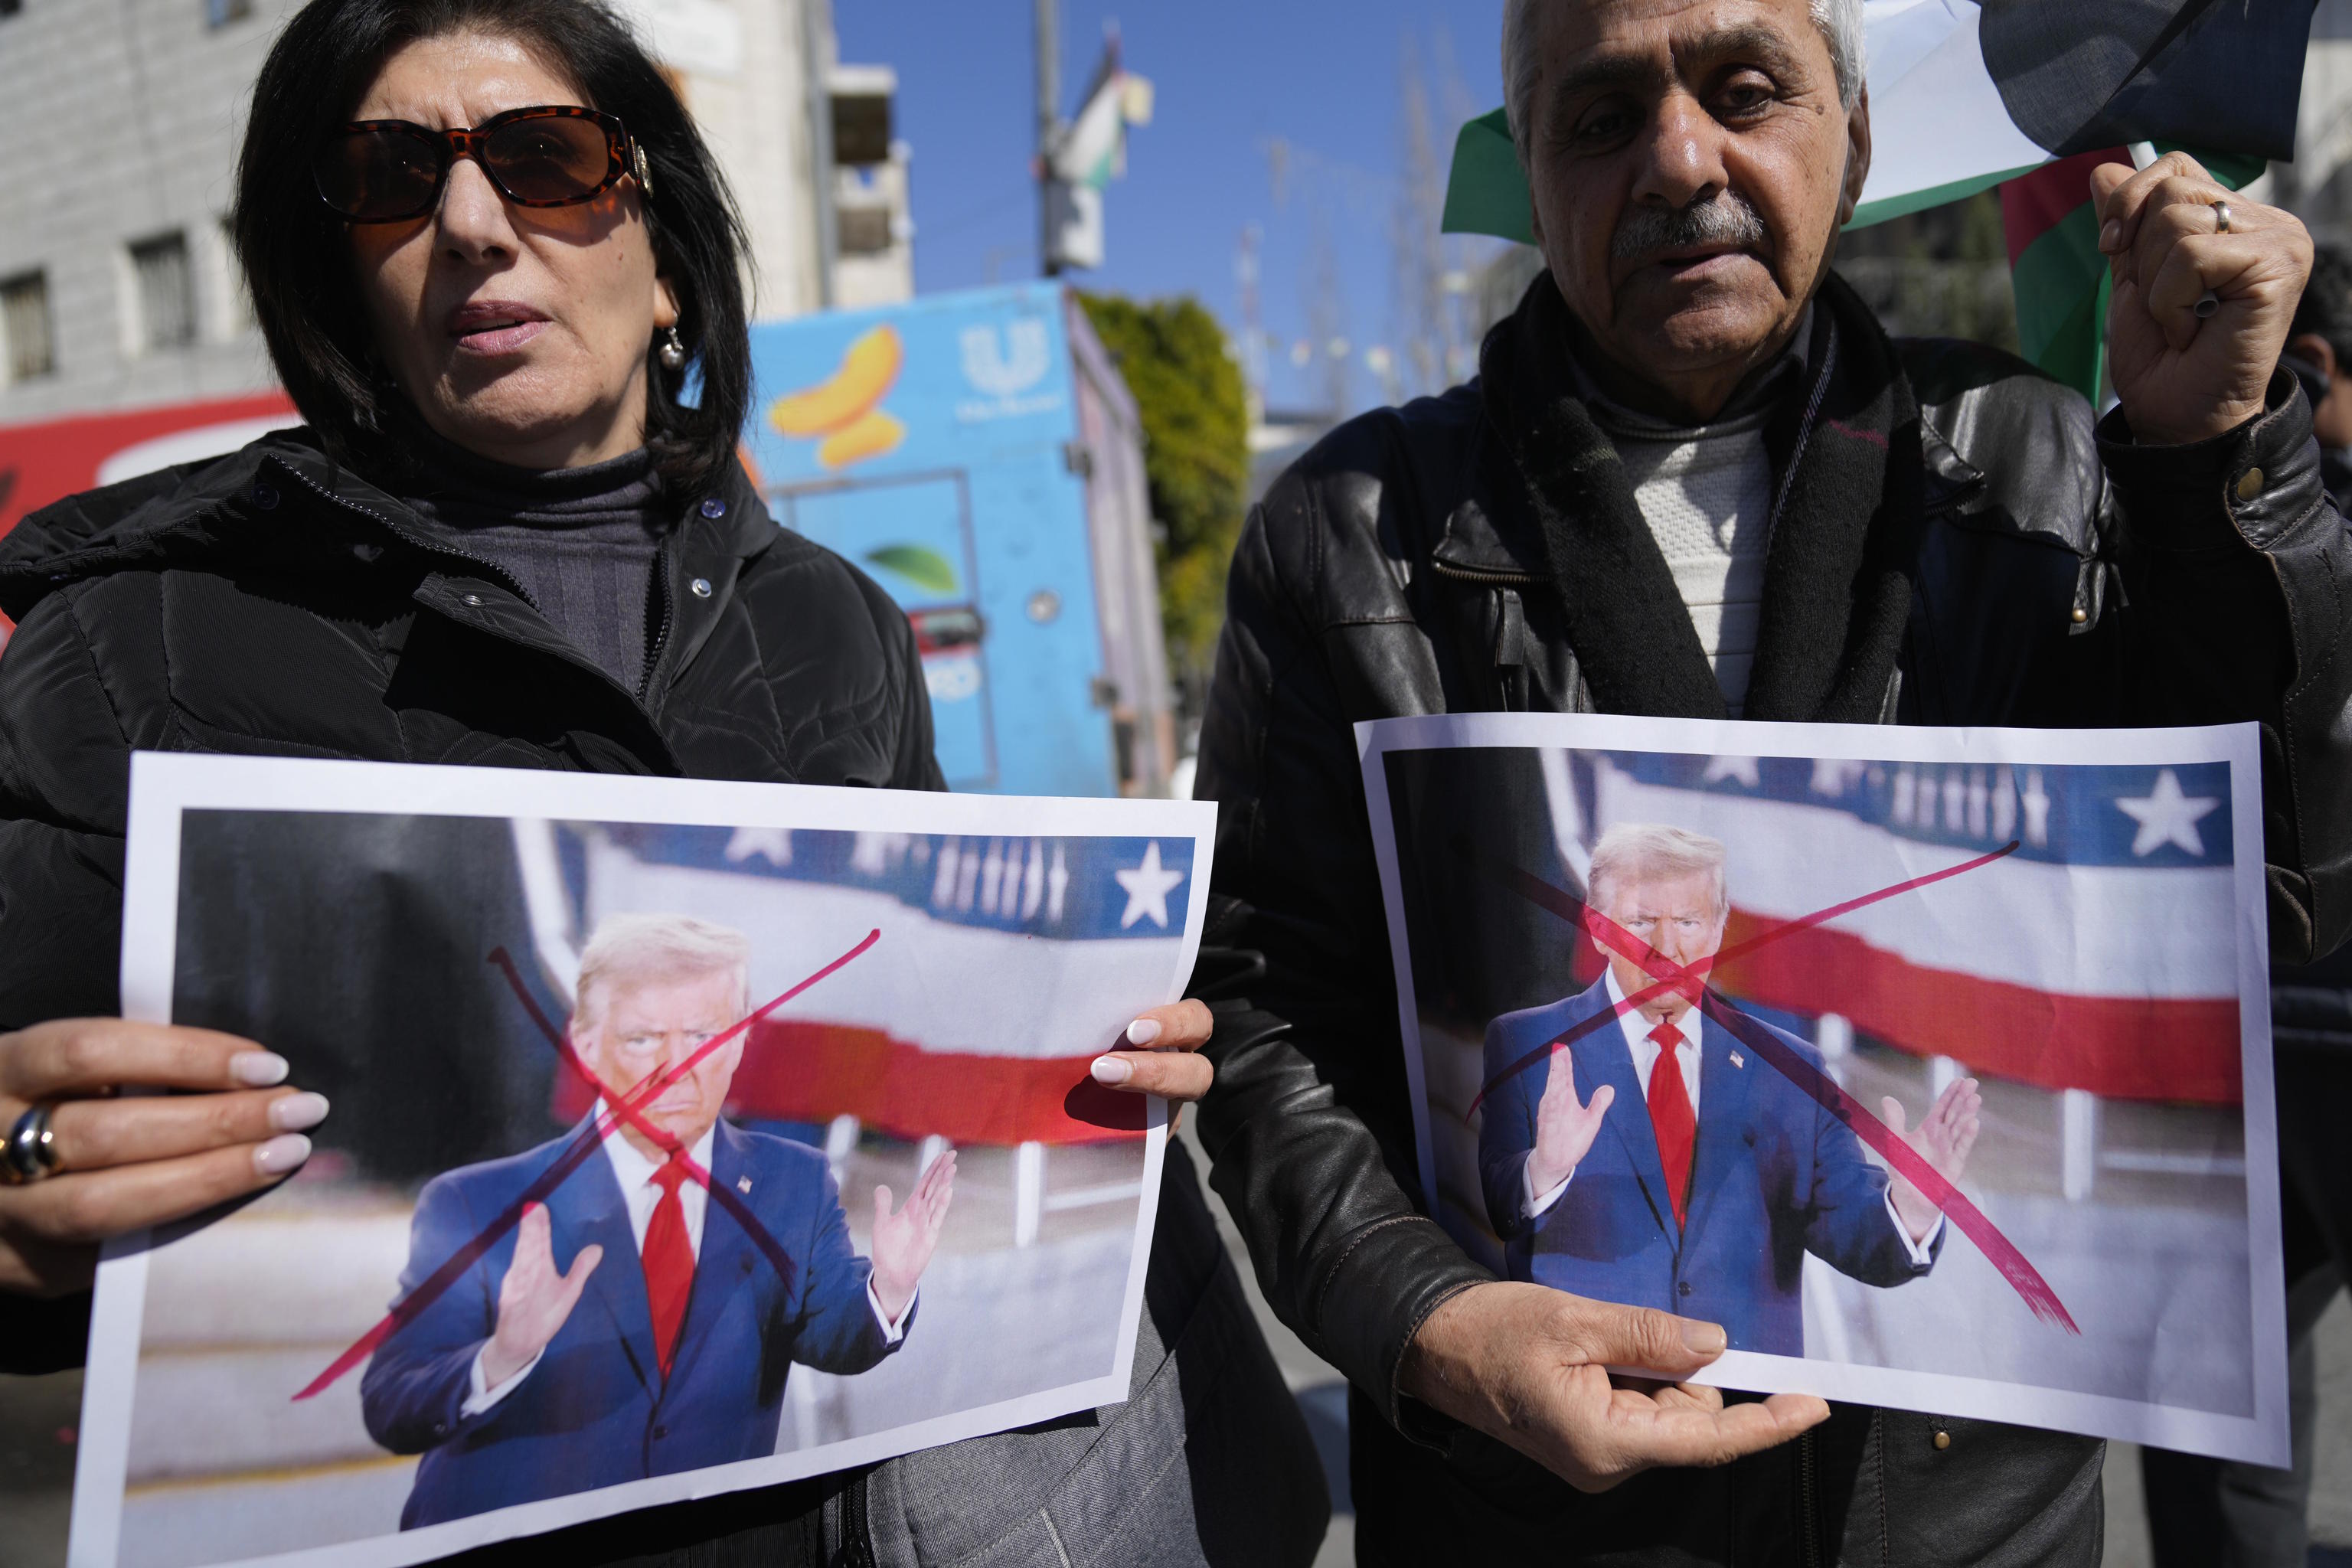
<point x="581" y="542"/>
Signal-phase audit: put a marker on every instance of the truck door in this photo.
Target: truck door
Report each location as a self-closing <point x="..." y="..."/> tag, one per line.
<point x="913" y="535"/>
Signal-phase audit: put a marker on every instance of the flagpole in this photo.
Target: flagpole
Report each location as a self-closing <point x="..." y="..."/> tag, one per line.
<point x="2142" y="153"/>
<point x="1049" y="126"/>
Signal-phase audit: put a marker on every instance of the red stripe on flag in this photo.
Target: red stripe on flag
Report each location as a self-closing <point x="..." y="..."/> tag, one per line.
<point x="794" y="1070"/>
<point x="2123" y="1048"/>
<point x="2033" y="205"/>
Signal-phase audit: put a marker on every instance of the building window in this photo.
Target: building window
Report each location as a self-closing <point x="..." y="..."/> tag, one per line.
<point x="862" y="231"/>
<point x="167" y="295"/>
<point x="25" y="325"/>
<point x="221" y="13"/>
<point x="861" y="127"/>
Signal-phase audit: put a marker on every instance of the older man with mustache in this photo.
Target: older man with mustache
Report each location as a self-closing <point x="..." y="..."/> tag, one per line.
<point x="1695" y="477"/>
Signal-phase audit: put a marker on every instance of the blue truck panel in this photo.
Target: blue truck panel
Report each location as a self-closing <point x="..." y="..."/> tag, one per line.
<point x="937" y="444"/>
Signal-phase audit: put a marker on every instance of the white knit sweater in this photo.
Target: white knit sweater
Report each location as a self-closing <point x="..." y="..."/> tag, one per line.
<point x="1706" y="493"/>
<point x="1708" y="498"/>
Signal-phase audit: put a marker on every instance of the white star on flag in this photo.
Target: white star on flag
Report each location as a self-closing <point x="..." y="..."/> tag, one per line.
<point x="1148" y="886"/>
<point x="1743" y="769"/>
<point x="774" y="843"/>
<point x="1831" y="774"/>
<point x="2167" y="816"/>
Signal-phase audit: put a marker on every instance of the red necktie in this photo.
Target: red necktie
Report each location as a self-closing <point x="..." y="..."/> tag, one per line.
<point x="668" y="1259"/>
<point x="1671" y="1118"/>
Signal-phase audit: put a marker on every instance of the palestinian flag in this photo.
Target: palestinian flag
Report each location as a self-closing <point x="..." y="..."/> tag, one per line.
<point x="1086" y="155"/>
<point x="1964" y="96"/>
<point x="2054" y="265"/>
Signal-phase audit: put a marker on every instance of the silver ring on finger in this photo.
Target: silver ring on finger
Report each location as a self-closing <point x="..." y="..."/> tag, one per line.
<point x="31" y="1154"/>
<point x="2208" y="302"/>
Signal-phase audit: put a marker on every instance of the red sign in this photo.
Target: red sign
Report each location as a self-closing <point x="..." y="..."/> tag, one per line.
<point x="54" y="459"/>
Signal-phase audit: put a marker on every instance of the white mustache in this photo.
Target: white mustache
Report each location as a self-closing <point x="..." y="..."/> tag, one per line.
<point x="1728" y="219"/>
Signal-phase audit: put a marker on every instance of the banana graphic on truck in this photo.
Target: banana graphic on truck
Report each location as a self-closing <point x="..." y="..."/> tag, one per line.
<point x="842" y="411"/>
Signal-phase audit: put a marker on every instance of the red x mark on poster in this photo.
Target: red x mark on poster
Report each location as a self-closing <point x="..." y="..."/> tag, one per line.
<point x="619" y="1107"/>
<point x="1691" y="982"/>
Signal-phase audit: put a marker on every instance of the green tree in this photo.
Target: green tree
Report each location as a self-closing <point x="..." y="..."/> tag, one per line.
<point x="1188" y="389"/>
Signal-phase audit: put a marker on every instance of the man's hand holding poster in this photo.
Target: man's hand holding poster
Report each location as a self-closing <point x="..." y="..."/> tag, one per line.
<point x="1932" y="1066"/>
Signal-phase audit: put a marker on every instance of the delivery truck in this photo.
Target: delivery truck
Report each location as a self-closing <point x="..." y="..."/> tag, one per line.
<point x="980" y="456"/>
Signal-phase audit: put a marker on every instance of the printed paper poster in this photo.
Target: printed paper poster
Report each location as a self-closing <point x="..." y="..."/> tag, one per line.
<point x="1933" y="1064"/>
<point x="684" y="1137"/>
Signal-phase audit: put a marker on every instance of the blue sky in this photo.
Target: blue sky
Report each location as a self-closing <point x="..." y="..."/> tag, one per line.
<point x="1320" y="79"/>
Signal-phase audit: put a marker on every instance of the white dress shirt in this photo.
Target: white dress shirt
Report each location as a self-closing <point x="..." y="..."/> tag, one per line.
<point x="1635" y="1025"/>
<point x="634" y="1171"/>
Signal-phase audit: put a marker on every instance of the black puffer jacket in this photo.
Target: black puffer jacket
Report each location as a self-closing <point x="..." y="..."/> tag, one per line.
<point x="2064" y="576"/>
<point x="269" y="604"/>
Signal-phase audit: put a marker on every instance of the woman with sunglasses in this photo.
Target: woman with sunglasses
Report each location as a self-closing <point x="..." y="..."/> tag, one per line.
<point x="486" y="247"/>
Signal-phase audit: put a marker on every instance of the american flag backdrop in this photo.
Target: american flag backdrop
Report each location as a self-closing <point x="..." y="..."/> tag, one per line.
<point x="2099" y="955"/>
<point x="2074" y="920"/>
<point x="972" y="1020"/>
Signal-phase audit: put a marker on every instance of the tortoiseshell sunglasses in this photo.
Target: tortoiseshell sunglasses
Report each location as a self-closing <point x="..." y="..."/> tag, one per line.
<point x="553" y="156"/>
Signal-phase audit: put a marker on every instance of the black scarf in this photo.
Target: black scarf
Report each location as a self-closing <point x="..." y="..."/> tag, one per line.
<point x="1839" y="562"/>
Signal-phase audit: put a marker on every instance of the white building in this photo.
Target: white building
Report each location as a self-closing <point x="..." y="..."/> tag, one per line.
<point x="2318" y="184"/>
<point x="874" y="248"/>
<point x="118" y="286"/>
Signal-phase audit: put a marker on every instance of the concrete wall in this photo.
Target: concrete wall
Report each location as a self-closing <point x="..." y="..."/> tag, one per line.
<point x="122" y="123"/>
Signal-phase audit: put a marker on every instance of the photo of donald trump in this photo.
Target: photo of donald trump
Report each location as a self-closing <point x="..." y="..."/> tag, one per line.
<point x="629" y="1325"/>
<point x="1650" y="1160"/>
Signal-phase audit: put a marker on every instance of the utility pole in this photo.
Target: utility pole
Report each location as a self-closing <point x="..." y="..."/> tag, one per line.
<point x="817" y="48"/>
<point x="1049" y="125"/>
<point x="1246" y="270"/>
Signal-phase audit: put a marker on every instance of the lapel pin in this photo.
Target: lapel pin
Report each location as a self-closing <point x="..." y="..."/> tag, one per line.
<point x="742" y="1183"/>
<point x="1738" y="1060"/>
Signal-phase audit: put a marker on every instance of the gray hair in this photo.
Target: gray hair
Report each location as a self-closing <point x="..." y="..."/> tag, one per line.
<point x="1839" y="20"/>
<point x="659" y="946"/>
<point x="1644" y="849"/>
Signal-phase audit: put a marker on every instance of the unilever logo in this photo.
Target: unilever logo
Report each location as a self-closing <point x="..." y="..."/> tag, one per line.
<point x="1017" y="366"/>
<point x="1003" y="363"/>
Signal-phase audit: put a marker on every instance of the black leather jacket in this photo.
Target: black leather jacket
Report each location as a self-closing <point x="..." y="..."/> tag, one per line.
<point x="2067" y="578"/>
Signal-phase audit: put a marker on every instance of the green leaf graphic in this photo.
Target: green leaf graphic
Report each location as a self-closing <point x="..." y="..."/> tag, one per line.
<point x="921" y="565"/>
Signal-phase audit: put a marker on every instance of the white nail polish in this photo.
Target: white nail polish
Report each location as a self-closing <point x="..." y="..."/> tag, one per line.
<point x="1143" y="1031"/>
<point x="258" y="1069"/>
<point x="1110" y="1069"/>
<point x="298" y="1112"/>
<point x="281" y="1153"/>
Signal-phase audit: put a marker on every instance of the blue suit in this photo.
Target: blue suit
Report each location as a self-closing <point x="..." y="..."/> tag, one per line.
<point x="596" y="1411"/>
<point x="1773" y="1176"/>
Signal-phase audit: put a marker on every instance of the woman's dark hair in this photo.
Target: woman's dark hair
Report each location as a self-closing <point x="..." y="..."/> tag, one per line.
<point x="312" y="314"/>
